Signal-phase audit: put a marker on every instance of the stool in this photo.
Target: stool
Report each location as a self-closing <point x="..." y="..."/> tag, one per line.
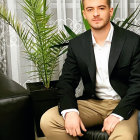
<point x="16" y="119"/>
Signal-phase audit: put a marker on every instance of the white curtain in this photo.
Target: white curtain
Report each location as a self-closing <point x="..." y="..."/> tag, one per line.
<point x="65" y="12"/>
<point x="4" y="41"/>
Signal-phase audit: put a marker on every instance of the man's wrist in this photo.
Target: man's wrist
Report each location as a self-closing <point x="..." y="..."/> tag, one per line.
<point x="63" y="113"/>
<point x="118" y="116"/>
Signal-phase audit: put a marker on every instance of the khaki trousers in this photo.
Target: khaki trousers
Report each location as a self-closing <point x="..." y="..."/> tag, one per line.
<point x="92" y="112"/>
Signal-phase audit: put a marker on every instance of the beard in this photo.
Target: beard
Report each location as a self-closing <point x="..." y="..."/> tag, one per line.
<point x="101" y="25"/>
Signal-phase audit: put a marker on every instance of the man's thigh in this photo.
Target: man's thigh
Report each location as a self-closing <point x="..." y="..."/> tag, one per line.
<point x="126" y="129"/>
<point x="93" y="112"/>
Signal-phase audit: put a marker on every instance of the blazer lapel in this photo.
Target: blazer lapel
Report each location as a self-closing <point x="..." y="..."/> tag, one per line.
<point x="116" y="47"/>
<point x="89" y="54"/>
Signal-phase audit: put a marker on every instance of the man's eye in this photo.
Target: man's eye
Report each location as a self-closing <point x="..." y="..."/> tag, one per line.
<point x="102" y="8"/>
<point x="89" y="10"/>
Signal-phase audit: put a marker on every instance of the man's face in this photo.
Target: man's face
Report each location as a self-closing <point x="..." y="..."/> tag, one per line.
<point x="97" y="13"/>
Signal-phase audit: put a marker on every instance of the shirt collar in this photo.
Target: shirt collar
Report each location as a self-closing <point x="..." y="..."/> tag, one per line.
<point x="109" y="36"/>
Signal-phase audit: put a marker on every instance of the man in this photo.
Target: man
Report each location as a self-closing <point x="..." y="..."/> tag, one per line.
<point x="107" y="59"/>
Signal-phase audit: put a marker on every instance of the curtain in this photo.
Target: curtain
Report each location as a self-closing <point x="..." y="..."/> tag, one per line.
<point x="4" y="41"/>
<point x="64" y="12"/>
<point x="68" y="12"/>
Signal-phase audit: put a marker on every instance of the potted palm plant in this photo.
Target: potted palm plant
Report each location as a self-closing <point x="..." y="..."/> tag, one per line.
<point x="39" y="38"/>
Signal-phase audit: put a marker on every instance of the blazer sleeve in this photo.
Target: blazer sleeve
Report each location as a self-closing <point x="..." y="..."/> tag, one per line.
<point x="68" y="82"/>
<point x="129" y="102"/>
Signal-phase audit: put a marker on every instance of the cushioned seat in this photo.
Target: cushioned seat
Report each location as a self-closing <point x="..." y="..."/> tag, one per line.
<point x="16" y="120"/>
<point x="95" y="133"/>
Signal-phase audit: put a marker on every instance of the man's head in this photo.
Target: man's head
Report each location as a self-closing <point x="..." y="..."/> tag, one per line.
<point x="108" y="2"/>
<point x="97" y="13"/>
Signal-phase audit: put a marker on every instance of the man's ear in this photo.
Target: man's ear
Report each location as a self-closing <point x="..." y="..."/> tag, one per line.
<point x="111" y="12"/>
<point x="83" y="11"/>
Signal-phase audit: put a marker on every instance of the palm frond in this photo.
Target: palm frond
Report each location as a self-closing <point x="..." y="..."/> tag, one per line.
<point x="70" y="32"/>
<point x="114" y="13"/>
<point x="129" y="18"/>
<point x="22" y="32"/>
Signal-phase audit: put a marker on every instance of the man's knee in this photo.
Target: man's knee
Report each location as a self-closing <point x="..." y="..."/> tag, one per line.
<point x="51" y="119"/>
<point x="45" y="122"/>
<point x="129" y="136"/>
<point x="125" y="134"/>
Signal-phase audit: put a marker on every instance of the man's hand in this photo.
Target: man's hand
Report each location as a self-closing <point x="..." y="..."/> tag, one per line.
<point x="73" y="124"/>
<point x="109" y="124"/>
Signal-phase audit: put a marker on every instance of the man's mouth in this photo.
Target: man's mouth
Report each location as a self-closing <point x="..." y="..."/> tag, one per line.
<point x="96" y="20"/>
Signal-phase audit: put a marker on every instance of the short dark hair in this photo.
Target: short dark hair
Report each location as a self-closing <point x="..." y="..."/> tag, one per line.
<point x="108" y="2"/>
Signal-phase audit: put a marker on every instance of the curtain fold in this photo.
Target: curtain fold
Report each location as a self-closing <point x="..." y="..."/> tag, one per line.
<point x="4" y="41"/>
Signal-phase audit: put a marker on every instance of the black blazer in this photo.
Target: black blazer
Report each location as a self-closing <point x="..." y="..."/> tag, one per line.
<point x="124" y="70"/>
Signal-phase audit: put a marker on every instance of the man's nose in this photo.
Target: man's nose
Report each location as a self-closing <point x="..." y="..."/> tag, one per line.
<point x="96" y="12"/>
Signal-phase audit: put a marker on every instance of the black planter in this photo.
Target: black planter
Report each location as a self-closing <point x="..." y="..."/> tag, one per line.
<point x="42" y="100"/>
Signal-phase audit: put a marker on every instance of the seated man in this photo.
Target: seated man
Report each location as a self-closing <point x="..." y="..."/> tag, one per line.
<point x="107" y="59"/>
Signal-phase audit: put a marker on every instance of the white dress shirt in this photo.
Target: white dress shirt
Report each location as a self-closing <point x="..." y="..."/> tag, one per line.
<point x="103" y="86"/>
<point x="104" y="89"/>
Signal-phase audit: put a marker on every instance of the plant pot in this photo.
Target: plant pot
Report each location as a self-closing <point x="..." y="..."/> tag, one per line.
<point x="42" y="100"/>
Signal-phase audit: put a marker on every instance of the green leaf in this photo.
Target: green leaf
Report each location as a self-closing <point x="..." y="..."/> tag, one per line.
<point x="70" y="32"/>
<point x="129" y="18"/>
<point x="129" y="24"/>
<point x="114" y="13"/>
<point x="60" y="45"/>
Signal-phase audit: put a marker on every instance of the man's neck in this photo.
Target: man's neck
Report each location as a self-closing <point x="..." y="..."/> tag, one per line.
<point x="101" y="35"/>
